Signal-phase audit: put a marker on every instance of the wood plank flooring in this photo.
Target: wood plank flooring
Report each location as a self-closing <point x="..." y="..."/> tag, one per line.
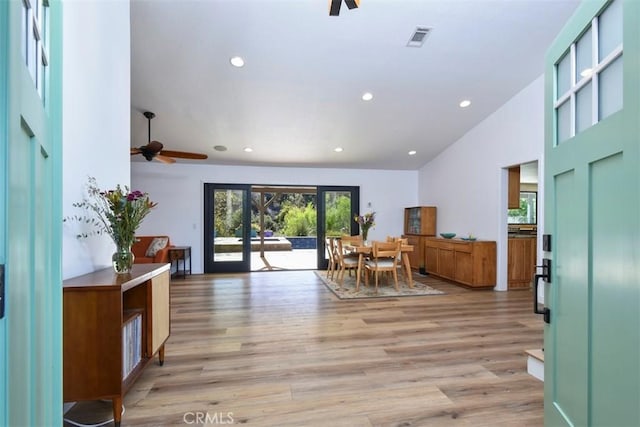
<point x="279" y="349"/>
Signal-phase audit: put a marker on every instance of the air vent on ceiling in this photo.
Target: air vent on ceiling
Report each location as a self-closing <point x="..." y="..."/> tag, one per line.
<point x="419" y="36"/>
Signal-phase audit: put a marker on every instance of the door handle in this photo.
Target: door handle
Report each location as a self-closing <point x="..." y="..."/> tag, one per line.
<point x="546" y="276"/>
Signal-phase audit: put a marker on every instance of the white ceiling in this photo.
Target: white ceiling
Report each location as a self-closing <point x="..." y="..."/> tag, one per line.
<point x="299" y="94"/>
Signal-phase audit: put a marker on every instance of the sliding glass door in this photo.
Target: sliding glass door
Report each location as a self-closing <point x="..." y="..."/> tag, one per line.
<point x="227" y="225"/>
<point x="337" y="205"/>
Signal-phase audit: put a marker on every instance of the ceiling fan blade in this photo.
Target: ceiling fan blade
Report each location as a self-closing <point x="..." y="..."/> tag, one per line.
<point x="135" y="151"/>
<point x="164" y="159"/>
<point x="184" y="155"/>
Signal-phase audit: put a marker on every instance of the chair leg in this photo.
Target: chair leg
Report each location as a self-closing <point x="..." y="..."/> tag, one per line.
<point x="395" y="278"/>
<point x="376" y="282"/>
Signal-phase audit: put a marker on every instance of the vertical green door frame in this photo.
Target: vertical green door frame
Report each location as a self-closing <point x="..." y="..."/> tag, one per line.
<point x="54" y="110"/>
<point x="31" y="156"/>
<point x="4" y="33"/>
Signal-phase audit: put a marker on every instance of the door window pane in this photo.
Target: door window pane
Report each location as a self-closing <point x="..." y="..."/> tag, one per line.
<point x="584" y="63"/>
<point x="584" y="108"/>
<point x="610" y="89"/>
<point x="337" y="213"/>
<point x="610" y="29"/>
<point x="228" y="225"/>
<point x="563" y="71"/>
<point x="564" y="122"/>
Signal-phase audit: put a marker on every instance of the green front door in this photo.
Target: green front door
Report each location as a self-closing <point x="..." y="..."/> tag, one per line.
<point x="31" y="346"/>
<point x="592" y="180"/>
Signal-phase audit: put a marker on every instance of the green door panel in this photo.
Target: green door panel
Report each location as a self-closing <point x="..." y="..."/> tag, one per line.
<point x="614" y="331"/>
<point x="569" y="298"/>
<point x="32" y="351"/>
<point x="592" y="202"/>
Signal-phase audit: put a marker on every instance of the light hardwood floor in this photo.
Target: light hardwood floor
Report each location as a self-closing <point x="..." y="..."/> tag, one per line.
<point x="278" y="349"/>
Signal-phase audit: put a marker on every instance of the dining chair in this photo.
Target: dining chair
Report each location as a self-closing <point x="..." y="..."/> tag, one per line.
<point x="333" y="262"/>
<point x="384" y="258"/>
<point x="345" y="262"/>
<point x="348" y="240"/>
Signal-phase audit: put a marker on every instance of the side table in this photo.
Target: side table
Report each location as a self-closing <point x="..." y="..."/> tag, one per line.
<point x="178" y="253"/>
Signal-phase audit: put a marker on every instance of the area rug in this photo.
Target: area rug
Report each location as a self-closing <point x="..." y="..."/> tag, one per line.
<point x="386" y="287"/>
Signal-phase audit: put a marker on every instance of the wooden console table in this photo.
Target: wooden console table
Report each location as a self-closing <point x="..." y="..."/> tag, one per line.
<point x="97" y="344"/>
<point x="177" y="253"/>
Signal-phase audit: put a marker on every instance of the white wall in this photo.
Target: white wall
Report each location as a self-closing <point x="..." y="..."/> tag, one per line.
<point x="467" y="182"/>
<point x="96" y="117"/>
<point x="178" y="190"/>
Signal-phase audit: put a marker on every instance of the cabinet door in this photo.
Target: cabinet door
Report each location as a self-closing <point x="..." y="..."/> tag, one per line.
<point x="464" y="267"/>
<point x="431" y="259"/>
<point x="159" y="316"/>
<point x="428" y="221"/>
<point x="416" y="258"/>
<point x="446" y="263"/>
<point x="513" y="197"/>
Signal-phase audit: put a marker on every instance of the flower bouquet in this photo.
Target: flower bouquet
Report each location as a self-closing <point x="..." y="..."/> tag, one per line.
<point x="365" y="221"/>
<point x="118" y="213"/>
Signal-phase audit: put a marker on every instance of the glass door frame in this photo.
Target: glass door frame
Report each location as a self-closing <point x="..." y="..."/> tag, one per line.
<point x="209" y="263"/>
<point x="323" y="262"/>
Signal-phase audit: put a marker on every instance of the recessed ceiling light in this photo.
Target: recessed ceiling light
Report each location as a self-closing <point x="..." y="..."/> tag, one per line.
<point x="248" y="149"/>
<point x="465" y="103"/>
<point x="412" y="152"/>
<point x="237" y="61"/>
<point x="338" y="149"/>
<point x="367" y="96"/>
<point x="220" y="148"/>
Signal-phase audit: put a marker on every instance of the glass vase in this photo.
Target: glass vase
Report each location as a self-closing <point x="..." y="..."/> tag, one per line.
<point x="365" y="235"/>
<point x="122" y="260"/>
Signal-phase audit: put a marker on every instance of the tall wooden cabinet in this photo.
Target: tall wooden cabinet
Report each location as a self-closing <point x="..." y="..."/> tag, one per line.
<point x="419" y="222"/>
<point x="103" y="352"/>
<point x="470" y="263"/>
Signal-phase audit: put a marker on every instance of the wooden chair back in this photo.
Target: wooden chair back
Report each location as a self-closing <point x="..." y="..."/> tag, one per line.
<point x="386" y="249"/>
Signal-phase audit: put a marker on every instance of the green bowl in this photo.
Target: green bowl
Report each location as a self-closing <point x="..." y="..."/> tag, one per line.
<point x="448" y="235"/>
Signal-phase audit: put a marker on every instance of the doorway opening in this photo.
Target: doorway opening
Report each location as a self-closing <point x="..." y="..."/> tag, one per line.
<point x="522" y="225"/>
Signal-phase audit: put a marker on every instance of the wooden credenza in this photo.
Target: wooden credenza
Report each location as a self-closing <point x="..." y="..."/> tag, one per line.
<point x="469" y="263"/>
<point x="96" y="309"/>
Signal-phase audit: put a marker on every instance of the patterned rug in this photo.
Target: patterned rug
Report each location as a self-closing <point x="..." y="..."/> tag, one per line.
<point x="386" y="288"/>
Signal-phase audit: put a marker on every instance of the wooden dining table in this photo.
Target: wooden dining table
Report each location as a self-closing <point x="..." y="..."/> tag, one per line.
<point x="364" y="250"/>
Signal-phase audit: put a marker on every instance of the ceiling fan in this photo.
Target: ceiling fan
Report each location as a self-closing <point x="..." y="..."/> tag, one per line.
<point x="334" y="6"/>
<point x="154" y="149"/>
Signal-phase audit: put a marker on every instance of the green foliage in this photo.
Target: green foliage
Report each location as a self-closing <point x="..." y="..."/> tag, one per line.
<point x="299" y="221"/>
<point x="338" y="216"/>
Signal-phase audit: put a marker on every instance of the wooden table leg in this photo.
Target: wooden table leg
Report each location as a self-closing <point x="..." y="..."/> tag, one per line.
<point x="359" y="271"/>
<point x="407" y="267"/>
<point x="117" y="410"/>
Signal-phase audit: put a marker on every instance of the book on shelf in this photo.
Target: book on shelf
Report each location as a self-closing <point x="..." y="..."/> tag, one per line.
<point x="131" y="342"/>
